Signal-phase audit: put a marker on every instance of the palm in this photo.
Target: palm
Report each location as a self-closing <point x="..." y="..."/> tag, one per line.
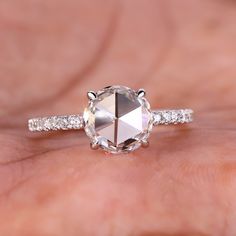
<point x="182" y="53"/>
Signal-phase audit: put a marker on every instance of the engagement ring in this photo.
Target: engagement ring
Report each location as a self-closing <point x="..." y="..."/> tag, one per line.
<point x="116" y="119"/>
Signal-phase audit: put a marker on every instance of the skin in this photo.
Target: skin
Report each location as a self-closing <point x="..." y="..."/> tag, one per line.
<point x="182" y="53"/>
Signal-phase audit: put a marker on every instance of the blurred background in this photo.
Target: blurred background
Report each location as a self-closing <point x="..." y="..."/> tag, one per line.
<point x="52" y="52"/>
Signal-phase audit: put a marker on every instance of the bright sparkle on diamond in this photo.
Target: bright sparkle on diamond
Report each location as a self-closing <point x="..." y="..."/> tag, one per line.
<point x="118" y="120"/>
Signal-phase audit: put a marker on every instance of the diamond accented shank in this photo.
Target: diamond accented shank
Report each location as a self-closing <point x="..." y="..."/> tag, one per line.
<point x="118" y="120"/>
<point x="167" y="117"/>
<point x="56" y="123"/>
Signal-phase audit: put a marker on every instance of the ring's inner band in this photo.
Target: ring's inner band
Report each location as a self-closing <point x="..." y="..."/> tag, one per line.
<point x="70" y="122"/>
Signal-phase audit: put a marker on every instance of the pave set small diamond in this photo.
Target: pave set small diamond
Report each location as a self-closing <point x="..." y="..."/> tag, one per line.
<point x="56" y="123"/>
<point x="166" y="117"/>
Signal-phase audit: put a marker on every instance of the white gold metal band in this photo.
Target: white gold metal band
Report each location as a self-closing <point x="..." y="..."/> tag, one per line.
<point x="167" y="117"/>
<point x="75" y="122"/>
<point x="68" y="122"/>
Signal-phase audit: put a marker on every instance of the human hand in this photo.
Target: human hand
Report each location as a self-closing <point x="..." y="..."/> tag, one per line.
<point x="182" y="53"/>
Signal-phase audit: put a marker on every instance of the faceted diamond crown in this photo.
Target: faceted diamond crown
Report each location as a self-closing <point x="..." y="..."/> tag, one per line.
<point x="118" y="120"/>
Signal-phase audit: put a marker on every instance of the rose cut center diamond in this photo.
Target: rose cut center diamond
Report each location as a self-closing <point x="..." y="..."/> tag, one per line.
<point x="118" y="120"/>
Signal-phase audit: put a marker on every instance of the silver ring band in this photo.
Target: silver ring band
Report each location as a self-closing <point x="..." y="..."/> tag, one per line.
<point x="75" y="122"/>
<point x="116" y="119"/>
<point x="167" y="117"/>
<point x="49" y="123"/>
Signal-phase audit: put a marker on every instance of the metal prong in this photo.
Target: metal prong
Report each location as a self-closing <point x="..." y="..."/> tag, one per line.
<point x="141" y="93"/>
<point x="145" y="143"/>
<point x="91" y="95"/>
<point x="94" y="146"/>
